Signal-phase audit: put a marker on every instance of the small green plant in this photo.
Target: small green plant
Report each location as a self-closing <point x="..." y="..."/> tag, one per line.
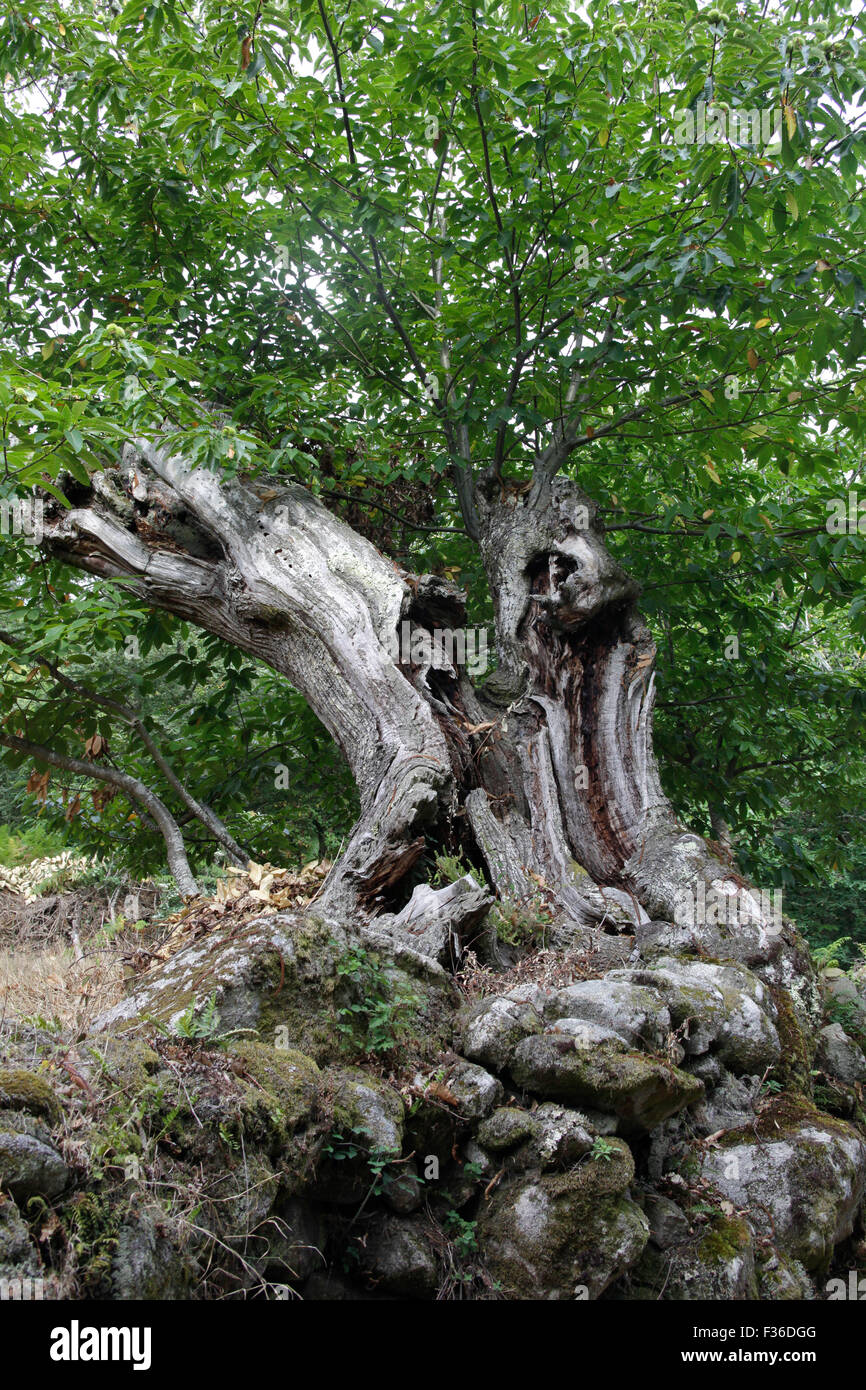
<point x="199" y="1026"/>
<point x="449" y="867"/>
<point x="522" y="925"/>
<point x="463" y="1234"/>
<point x="772" y="1088"/>
<point x="342" y="1147"/>
<point x="602" y="1150"/>
<point x="379" y="1016"/>
<point x="834" y="955"/>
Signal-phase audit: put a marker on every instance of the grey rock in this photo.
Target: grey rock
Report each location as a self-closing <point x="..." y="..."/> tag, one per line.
<point x="495" y="1026"/>
<point x="802" y="1190"/>
<point x="668" y="1223"/>
<point x="563" y="1236"/>
<point x="723" y="1007"/>
<point x="549" y="1136"/>
<point x="374" y="1107"/>
<point x="506" y="1129"/>
<point x="847" y="991"/>
<point x="641" y="1091"/>
<point x="404" y="1193"/>
<point x="730" y="1106"/>
<point x="476" y="1091"/>
<point x="18" y="1256"/>
<point x="399" y="1259"/>
<point x="636" y="1013"/>
<point x="718" y="1266"/>
<point x="561" y="1136"/>
<point x="839" y="1056"/>
<point x="150" y="1259"/>
<point x="29" y="1163"/>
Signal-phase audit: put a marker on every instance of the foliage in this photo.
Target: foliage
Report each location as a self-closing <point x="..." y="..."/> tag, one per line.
<point x="602" y="1150"/>
<point x="379" y="1016"/>
<point x="293" y="212"/>
<point x="34" y="841"/>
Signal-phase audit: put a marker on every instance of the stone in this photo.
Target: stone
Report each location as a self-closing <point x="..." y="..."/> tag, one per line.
<point x="848" y="992"/>
<point x="801" y="1184"/>
<point x="505" y="1129"/>
<point x="839" y="1056"/>
<point x="398" y="1258"/>
<point x="716" y="1266"/>
<point x="150" y="1260"/>
<point x="723" y="1007"/>
<point x="549" y="1136"/>
<point x="26" y="1090"/>
<point x="369" y="1108"/>
<point x="18" y="1256"/>
<point x="404" y="1192"/>
<point x="30" y="1166"/>
<point x="495" y="1026"/>
<point x="634" y="1012"/>
<point x="731" y="1105"/>
<point x="476" y="1091"/>
<point x="563" y="1236"/>
<point x="639" y="1090"/>
<point x="668" y="1223"/>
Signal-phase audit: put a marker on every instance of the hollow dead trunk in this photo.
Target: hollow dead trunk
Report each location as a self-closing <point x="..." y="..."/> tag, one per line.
<point x="543" y="775"/>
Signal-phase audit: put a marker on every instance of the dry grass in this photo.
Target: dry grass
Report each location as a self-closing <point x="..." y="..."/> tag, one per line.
<point x="549" y="969"/>
<point x="56" y="987"/>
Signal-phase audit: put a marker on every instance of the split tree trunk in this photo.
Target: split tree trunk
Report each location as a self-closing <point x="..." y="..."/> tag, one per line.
<point x="545" y="775"/>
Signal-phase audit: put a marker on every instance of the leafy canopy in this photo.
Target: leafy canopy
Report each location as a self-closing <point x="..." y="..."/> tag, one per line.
<point x="399" y="243"/>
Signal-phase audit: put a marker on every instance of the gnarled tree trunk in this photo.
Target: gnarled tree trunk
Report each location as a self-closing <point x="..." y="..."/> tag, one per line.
<point x="544" y="775"/>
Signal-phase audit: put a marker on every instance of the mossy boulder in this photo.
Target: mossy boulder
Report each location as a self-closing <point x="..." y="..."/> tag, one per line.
<point x="18" y="1257"/>
<point x="27" y="1090"/>
<point x="30" y="1165"/>
<point x="365" y="1131"/>
<point x="153" y="1256"/>
<point x="275" y="975"/>
<point x="637" y="1013"/>
<point x="718" y="1265"/>
<point x="549" y="1136"/>
<point x="492" y="1029"/>
<point x="718" y="1005"/>
<point x="798" y="1174"/>
<point x="641" y="1091"/>
<point x="563" y="1236"/>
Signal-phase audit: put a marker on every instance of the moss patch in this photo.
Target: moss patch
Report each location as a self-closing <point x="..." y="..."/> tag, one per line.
<point x="25" y="1090"/>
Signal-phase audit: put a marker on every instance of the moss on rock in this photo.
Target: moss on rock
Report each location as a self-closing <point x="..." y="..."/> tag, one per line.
<point x="564" y="1235"/>
<point x="26" y="1090"/>
<point x="642" y="1091"/>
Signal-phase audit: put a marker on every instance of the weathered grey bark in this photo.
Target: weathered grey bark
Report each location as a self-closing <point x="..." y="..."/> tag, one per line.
<point x="558" y="790"/>
<point x="133" y="788"/>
